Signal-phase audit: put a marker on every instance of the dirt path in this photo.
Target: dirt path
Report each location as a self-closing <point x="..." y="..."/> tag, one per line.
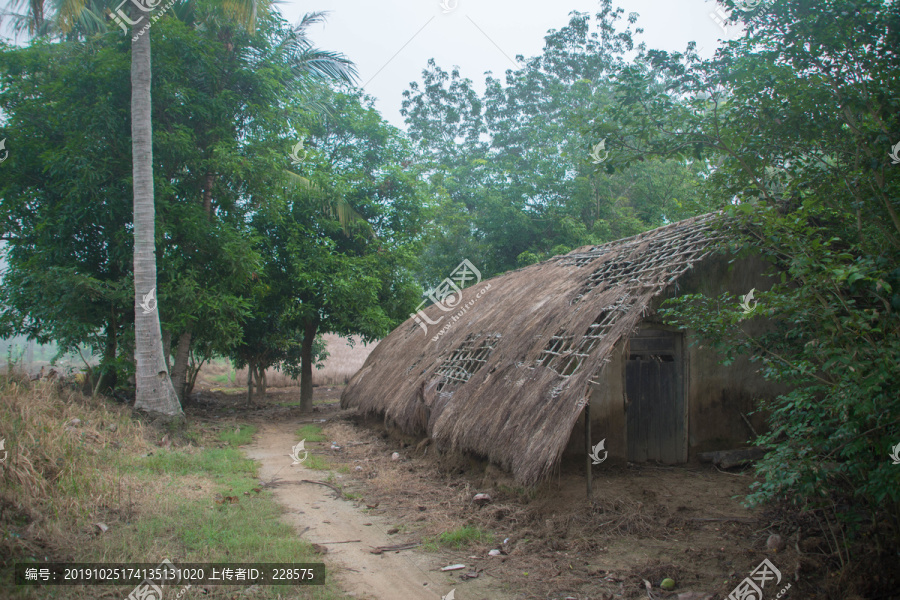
<point x="391" y="576"/>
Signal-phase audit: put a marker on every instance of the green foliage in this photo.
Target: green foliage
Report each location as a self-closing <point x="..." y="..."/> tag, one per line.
<point x="323" y="273"/>
<point x="67" y="196"/>
<point x="510" y="171"/>
<point x="804" y="162"/>
<point x="66" y="206"/>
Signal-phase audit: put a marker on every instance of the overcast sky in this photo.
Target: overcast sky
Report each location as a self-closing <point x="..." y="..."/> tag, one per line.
<point x="391" y="41"/>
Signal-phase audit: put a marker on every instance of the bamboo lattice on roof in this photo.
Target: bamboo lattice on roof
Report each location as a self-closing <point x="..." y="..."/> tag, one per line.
<point x="509" y="378"/>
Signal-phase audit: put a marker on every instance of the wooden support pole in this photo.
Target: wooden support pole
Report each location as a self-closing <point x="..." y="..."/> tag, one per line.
<point x="587" y="445"/>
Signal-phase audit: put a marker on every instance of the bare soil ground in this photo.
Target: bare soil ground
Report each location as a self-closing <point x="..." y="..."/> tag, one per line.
<point x="644" y="523"/>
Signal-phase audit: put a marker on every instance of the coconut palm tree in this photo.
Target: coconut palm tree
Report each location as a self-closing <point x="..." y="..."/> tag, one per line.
<point x="155" y="392"/>
<point x="73" y="18"/>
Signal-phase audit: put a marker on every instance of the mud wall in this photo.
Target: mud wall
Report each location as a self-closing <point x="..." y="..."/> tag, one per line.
<point x="716" y="395"/>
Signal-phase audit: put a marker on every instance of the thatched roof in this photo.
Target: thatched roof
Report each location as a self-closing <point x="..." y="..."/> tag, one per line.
<point x="510" y="377"/>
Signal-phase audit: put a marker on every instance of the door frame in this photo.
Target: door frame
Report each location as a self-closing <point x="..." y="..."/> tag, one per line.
<point x="682" y="357"/>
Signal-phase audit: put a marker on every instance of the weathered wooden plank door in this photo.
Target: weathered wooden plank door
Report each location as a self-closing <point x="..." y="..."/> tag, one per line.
<point x="654" y="389"/>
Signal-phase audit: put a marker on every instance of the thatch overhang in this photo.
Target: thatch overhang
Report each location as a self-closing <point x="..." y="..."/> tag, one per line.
<point x="509" y="378"/>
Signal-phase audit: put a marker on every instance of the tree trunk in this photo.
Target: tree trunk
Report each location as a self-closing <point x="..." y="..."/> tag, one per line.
<point x="193" y="371"/>
<point x="250" y="366"/>
<point x="155" y="393"/>
<point x="108" y="375"/>
<point x="167" y="348"/>
<point x="179" y="371"/>
<point x="306" y="387"/>
<point x="260" y="380"/>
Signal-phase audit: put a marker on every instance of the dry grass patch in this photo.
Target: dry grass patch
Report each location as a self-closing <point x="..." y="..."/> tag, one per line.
<point x="59" y="443"/>
<point x="75" y="462"/>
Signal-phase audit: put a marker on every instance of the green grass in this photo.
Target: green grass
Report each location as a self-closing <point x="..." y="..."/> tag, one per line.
<point x="316" y="462"/>
<point x="205" y="530"/>
<point x="459" y="538"/>
<point x="221" y="378"/>
<point x="243" y="436"/>
<point x="158" y="503"/>
<point x="214" y="461"/>
<point x="311" y="433"/>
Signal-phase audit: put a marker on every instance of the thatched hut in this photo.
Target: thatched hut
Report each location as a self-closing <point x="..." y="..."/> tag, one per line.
<point x="510" y="371"/>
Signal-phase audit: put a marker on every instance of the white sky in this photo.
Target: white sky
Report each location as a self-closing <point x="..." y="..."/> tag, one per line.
<point x="391" y="41"/>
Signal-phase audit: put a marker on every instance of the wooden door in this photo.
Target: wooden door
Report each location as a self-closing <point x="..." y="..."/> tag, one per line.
<point x="654" y="388"/>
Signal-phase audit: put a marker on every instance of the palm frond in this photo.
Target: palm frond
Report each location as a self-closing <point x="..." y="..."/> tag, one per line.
<point x="36" y="11"/>
<point x="324" y="64"/>
<point x="68" y="13"/>
<point x="308" y="61"/>
<point x="336" y="208"/>
<point x="24" y="23"/>
<point x="92" y="19"/>
<point x="245" y="12"/>
<point x="30" y="21"/>
<point x="311" y="18"/>
<point x="83" y="17"/>
<point x="298" y="180"/>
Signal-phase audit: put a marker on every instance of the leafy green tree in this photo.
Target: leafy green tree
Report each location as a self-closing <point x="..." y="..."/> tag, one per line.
<point x="205" y="259"/>
<point x="798" y="119"/>
<point x="65" y="188"/>
<point x="513" y="169"/>
<point x="322" y="275"/>
<point x="237" y="83"/>
<point x="155" y="391"/>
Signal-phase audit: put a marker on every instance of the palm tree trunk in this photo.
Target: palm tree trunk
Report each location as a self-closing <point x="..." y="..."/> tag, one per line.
<point x="155" y="393"/>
